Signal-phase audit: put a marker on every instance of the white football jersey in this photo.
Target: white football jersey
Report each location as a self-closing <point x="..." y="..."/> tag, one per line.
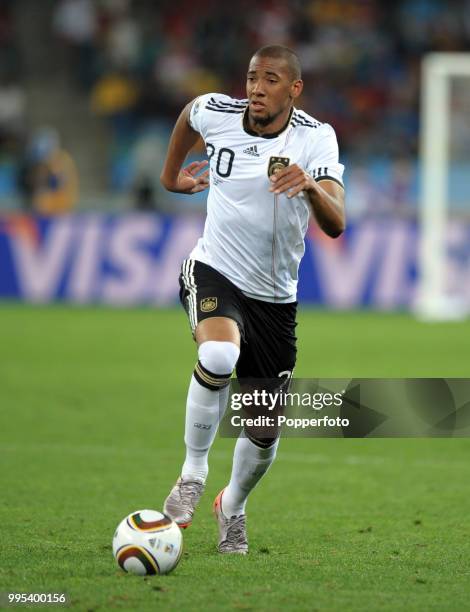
<point x="251" y="236"/>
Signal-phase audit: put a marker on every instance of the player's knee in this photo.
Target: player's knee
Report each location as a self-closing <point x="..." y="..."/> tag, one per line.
<point x="217" y="360"/>
<point x="219" y="357"/>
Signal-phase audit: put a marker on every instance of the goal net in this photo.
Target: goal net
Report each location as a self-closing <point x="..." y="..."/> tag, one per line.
<point x="443" y="290"/>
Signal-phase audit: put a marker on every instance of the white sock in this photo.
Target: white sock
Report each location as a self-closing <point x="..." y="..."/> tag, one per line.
<point x="205" y="407"/>
<point x="250" y="464"/>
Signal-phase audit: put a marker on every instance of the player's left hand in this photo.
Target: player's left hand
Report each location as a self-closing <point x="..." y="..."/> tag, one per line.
<point x="292" y="180"/>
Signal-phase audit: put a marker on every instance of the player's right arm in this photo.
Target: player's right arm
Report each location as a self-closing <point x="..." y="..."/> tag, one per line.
<point x="174" y="177"/>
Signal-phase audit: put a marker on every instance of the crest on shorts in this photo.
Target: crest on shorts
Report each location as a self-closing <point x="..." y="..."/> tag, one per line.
<point x="277" y="163"/>
<point x="208" y="304"/>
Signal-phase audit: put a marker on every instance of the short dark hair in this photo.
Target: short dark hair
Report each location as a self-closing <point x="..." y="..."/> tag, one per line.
<point x="282" y="52"/>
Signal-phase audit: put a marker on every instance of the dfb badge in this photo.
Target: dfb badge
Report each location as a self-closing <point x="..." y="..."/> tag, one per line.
<point x="208" y="304"/>
<point x="277" y="163"/>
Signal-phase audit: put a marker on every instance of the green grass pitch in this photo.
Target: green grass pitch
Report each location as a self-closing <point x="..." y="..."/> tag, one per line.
<point x="91" y="424"/>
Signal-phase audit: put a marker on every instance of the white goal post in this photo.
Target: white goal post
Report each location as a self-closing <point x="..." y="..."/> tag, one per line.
<point x="437" y="71"/>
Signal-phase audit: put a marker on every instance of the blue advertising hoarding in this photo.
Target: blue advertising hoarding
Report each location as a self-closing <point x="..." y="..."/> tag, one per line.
<point x="134" y="259"/>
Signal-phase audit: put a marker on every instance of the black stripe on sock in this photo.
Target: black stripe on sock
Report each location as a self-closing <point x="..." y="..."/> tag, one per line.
<point x="208" y="379"/>
<point x="260" y="442"/>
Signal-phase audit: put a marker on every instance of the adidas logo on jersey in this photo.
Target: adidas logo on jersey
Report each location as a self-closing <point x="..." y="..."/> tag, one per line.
<point x="252" y="151"/>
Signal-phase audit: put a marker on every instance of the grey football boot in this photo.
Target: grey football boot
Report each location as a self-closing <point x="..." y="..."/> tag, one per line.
<point x="183" y="499"/>
<point x="232" y="530"/>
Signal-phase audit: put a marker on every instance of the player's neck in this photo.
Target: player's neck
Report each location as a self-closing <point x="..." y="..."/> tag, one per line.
<point x="267" y="131"/>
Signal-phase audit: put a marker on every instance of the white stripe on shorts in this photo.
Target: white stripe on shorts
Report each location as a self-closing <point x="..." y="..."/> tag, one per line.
<point x="186" y="284"/>
<point x="194" y="288"/>
<point x="189" y="281"/>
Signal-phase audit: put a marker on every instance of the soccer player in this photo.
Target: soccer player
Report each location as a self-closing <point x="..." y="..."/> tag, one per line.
<point x="270" y="165"/>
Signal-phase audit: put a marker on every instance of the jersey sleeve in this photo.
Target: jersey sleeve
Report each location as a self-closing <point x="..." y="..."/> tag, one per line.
<point x="208" y="110"/>
<point x="198" y="114"/>
<point x="324" y="157"/>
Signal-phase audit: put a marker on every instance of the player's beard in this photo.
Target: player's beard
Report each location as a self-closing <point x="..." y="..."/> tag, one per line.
<point x="265" y="121"/>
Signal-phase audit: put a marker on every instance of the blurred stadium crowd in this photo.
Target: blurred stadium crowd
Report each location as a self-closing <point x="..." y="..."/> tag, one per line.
<point x="137" y="62"/>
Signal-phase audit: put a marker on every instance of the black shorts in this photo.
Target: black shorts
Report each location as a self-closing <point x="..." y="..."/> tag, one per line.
<point x="267" y="330"/>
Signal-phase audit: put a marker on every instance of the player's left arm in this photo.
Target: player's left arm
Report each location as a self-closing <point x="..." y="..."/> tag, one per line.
<point x="326" y="197"/>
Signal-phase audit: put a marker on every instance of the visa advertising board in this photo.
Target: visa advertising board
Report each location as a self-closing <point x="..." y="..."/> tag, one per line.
<point x="134" y="259"/>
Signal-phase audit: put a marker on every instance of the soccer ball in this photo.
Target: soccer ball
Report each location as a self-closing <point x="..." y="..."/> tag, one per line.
<point x="147" y="542"/>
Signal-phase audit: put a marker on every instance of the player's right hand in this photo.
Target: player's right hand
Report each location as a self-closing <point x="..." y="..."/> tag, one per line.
<point x="188" y="180"/>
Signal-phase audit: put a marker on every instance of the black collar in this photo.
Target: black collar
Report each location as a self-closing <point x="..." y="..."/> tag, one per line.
<point x="249" y="131"/>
